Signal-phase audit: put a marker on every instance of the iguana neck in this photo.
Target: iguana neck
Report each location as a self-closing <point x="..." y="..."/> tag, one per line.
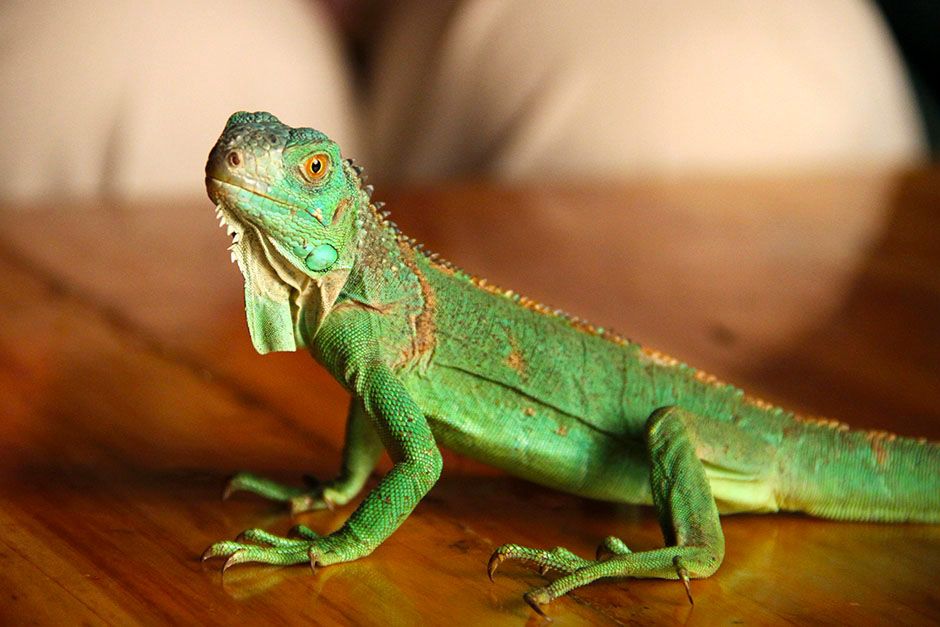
<point x="382" y="274"/>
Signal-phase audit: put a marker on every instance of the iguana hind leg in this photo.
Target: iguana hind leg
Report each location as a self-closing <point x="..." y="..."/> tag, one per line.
<point x="680" y="445"/>
<point x="360" y="453"/>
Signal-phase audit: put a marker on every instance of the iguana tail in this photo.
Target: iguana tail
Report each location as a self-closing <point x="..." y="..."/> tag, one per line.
<point x="829" y="471"/>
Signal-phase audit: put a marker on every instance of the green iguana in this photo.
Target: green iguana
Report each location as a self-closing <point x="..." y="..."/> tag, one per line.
<point x="432" y="355"/>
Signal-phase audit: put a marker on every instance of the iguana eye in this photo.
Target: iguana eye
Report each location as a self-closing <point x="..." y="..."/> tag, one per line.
<point x="316" y="166"/>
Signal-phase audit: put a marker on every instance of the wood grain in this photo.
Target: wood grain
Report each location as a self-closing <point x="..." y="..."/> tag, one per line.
<point x="130" y="389"/>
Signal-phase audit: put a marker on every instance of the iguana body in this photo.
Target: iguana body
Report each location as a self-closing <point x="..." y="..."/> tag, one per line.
<point x="434" y="356"/>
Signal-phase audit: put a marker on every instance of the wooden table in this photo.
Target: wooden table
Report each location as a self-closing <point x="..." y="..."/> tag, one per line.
<point x="129" y="390"/>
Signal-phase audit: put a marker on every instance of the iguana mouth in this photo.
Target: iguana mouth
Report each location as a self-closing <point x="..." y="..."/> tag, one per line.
<point x="252" y="190"/>
<point x="241" y="230"/>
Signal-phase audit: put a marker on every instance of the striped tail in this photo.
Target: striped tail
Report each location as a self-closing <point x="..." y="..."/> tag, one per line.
<point x="829" y="471"/>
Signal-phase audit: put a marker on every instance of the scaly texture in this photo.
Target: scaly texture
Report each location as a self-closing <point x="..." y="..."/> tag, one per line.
<point x="431" y="354"/>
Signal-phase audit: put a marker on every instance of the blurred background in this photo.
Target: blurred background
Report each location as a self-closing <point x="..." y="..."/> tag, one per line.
<point x="713" y="177"/>
<point x="124" y="97"/>
<point x="118" y="102"/>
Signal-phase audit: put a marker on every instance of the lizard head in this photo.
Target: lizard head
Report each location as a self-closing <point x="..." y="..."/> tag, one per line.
<point x="290" y="203"/>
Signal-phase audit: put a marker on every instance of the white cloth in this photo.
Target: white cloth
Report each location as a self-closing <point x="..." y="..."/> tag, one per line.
<point x="549" y="89"/>
<point x="126" y="97"/>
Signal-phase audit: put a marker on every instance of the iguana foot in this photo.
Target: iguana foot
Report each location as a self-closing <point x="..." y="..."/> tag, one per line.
<point x="615" y="560"/>
<point x="559" y="558"/>
<point x="257" y="545"/>
<point x="315" y="496"/>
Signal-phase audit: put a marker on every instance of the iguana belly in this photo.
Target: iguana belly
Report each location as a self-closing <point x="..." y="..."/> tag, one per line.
<point x="495" y="424"/>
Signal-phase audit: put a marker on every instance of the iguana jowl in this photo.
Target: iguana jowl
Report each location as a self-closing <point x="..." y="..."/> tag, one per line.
<point x="432" y="355"/>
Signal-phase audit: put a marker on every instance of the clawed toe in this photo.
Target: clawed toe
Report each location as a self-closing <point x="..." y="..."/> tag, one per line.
<point x="495" y="560"/>
<point x="536" y="599"/>
<point x="307" y="498"/>
<point x="221" y="549"/>
<point x="309" y="502"/>
<point x="575" y="571"/>
<point x="238" y="557"/>
<point x="683" y="573"/>
<point x="559" y="559"/>
<point x="257" y="545"/>
<point x="303" y="531"/>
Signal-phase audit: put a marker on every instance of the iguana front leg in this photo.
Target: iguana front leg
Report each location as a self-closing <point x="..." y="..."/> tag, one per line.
<point x="361" y="451"/>
<point x="348" y="347"/>
<point x="680" y="443"/>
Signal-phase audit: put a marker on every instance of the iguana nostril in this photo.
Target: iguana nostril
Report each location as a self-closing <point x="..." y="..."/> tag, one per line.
<point x="233" y="159"/>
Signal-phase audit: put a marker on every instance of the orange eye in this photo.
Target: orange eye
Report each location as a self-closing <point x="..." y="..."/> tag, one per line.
<point x="316" y="166"/>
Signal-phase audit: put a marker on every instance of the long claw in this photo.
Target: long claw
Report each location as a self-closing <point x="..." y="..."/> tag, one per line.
<point x="299" y="505"/>
<point x="228" y="489"/>
<point x="234" y="558"/>
<point x="534" y="603"/>
<point x="313" y="560"/>
<point x="495" y="560"/>
<point x="684" y="577"/>
<point x="309" y="502"/>
<point x="232" y="485"/>
<point x="221" y="549"/>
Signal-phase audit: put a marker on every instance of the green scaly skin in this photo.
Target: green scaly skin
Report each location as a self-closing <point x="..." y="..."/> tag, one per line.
<point x="431" y="355"/>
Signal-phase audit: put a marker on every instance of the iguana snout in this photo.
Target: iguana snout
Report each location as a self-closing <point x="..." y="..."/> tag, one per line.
<point x="245" y="154"/>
